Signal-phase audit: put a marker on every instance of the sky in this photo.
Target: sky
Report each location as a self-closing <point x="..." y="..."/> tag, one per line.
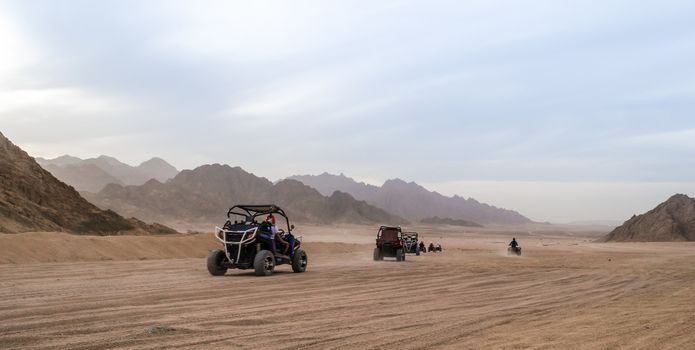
<point x="562" y="110"/>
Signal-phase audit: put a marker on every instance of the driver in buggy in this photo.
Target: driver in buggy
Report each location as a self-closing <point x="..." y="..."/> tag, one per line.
<point x="275" y="236"/>
<point x="289" y="239"/>
<point x="267" y="233"/>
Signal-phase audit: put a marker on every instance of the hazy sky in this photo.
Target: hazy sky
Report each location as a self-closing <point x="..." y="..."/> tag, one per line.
<point x="563" y="110"/>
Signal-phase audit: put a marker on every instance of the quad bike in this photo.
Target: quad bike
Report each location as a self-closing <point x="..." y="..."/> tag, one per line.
<point x="514" y="251"/>
<point x="248" y="244"/>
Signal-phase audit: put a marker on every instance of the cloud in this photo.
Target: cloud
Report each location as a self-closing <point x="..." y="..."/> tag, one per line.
<point x="675" y="139"/>
<point x="18" y="53"/>
<point x="55" y="103"/>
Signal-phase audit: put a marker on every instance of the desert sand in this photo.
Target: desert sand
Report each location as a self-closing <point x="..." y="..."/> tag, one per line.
<point x="59" y="291"/>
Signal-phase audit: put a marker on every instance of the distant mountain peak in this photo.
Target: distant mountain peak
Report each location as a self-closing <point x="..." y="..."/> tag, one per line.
<point x="154" y="160"/>
<point x="83" y="175"/>
<point x="110" y="160"/>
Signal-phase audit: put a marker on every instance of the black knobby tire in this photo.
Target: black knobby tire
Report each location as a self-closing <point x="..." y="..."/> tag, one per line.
<point x="400" y="256"/>
<point x="377" y="254"/>
<point x="299" y="261"/>
<point x="215" y="260"/>
<point x="417" y="251"/>
<point x="264" y="263"/>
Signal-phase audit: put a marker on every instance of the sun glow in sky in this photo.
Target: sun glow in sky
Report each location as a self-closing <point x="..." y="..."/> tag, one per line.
<point x="533" y="105"/>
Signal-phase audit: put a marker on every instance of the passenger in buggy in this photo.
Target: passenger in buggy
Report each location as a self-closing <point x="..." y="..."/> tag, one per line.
<point x="271" y="220"/>
<point x="265" y="233"/>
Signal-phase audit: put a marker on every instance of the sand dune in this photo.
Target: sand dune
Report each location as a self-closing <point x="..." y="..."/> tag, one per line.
<point x="564" y="293"/>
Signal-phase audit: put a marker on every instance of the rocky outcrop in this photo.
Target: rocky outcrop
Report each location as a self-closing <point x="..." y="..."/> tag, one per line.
<point x="672" y="220"/>
<point x="32" y="199"/>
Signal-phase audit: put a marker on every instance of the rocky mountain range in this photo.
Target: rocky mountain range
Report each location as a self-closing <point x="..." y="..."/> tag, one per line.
<point x="412" y="201"/>
<point x="204" y="194"/>
<point x="93" y="174"/>
<point x="436" y="220"/>
<point x="672" y="220"/>
<point x="32" y="199"/>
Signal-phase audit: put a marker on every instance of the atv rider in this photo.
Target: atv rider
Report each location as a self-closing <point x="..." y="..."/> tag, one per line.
<point x="422" y="247"/>
<point x="513" y="243"/>
<point x="431" y="247"/>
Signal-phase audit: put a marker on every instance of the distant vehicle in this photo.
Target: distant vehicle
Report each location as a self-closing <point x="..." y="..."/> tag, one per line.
<point x="248" y="243"/>
<point x="514" y="251"/>
<point x="422" y="247"/>
<point x="514" y="247"/>
<point x="389" y="243"/>
<point x="410" y="239"/>
<point x="434" y="248"/>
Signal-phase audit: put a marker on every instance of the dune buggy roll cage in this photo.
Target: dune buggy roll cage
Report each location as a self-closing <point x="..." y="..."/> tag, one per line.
<point x="253" y="211"/>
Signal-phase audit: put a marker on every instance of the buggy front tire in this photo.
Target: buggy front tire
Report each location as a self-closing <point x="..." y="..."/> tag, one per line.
<point x="299" y="261"/>
<point x="264" y="263"/>
<point x="417" y="251"/>
<point x="216" y="259"/>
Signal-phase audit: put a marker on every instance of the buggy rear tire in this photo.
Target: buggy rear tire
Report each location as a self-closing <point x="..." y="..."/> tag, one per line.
<point x="400" y="255"/>
<point x="417" y="251"/>
<point x="215" y="260"/>
<point x="377" y="254"/>
<point x="264" y="263"/>
<point x="299" y="261"/>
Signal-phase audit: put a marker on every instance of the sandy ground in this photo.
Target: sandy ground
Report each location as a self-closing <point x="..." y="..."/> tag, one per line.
<point x="154" y="292"/>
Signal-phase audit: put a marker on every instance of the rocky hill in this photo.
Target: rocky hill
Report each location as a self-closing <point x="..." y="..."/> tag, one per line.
<point x="450" y="221"/>
<point x="32" y="199"/>
<point x="94" y="174"/>
<point x="410" y="200"/>
<point x="204" y="194"/>
<point x="672" y="220"/>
